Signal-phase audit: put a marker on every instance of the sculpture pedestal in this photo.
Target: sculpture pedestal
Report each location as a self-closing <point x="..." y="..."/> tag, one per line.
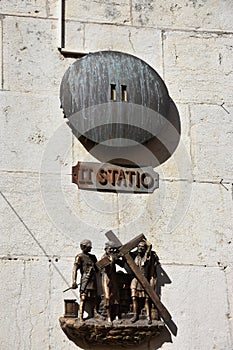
<point x="96" y="333"/>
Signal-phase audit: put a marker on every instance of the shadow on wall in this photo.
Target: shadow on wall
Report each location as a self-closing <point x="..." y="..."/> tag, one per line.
<point x="162" y="280"/>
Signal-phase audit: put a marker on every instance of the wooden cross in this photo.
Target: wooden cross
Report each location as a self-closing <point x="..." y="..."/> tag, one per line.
<point x="124" y="251"/>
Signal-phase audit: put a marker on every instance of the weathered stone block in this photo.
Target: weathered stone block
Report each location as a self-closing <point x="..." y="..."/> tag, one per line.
<point x="31" y="60"/>
<point x="198" y="67"/>
<point x="78" y="212"/>
<point x="142" y="42"/>
<point x="194" y="218"/>
<point x="99" y="11"/>
<point x="203" y="15"/>
<point x="54" y="8"/>
<point x="212" y="142"/>
<point x="15" y="239"/>
<point x="229" y="278"/>
<point x="179" y="165"/>
<point x="49" y="206"/>
<point x="1" y="71"/>
<point x="33" y="219"/>
<point x="74" y="36"/>
<point x="170" y="214"/>
<point x="61" y="278"/>
<point x="25" y="296"/>
<point x="26" y="138"/>
<point x="197" y="300"/>
<point x="35" y="8"/>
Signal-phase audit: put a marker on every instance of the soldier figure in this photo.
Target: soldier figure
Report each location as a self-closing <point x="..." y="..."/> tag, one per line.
<point x="85" y="262"/>
<point x="146" y="260"/>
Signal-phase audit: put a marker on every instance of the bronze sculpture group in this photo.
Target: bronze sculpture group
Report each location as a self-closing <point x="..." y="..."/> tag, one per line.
<point x="123" y="306"/>
<point x="125" y="295"/>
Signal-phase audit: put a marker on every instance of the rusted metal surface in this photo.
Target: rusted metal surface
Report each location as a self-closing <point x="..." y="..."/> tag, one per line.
<point x="106" y="177"/>
<point x="109" y="77"/>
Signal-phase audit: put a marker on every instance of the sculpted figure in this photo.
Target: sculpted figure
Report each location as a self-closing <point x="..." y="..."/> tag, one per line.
<point x="146" y="260"/>
<point x="85" y="262"/>
<point x="109" y="282"/>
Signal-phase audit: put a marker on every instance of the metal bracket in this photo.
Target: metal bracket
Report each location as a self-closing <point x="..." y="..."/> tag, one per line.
<point x="62" y="31"/>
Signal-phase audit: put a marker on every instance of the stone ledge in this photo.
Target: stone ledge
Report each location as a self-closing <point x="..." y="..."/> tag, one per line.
<point x="121" y="333"/>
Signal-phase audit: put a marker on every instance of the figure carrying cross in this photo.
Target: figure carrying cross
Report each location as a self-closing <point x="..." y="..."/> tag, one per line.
<point x="124" y="251"/>
<point x="109" y="282"/>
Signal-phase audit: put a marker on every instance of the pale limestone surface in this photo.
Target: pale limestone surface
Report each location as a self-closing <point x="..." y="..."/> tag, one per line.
<point x="32" y="8"/>
<point x="33" y="63"/>
<point x="103" y="11"/>
<point x="185" y="14"/>
<point x="60" y="280"/>
<point x="142" y="42"/>
<point x="198" y="67"/>
<point x="212" y="160"/>
<point x="44" y="207"/>
<point x="29" y="121"/>
<point x="188" y="223"/>
<point x="188" y="219"/>
<point x="26" y="305"/>
<point x="179" y="165"/>
<point x="74" y="36"/>
<point x="1" y="75"/>
<point x="99" y="11"/>
<point x="197" y="300"/>
<point x="229" y="277"/>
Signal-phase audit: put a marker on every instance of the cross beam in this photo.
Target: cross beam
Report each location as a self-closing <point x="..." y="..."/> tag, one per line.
<point x="124" y="251"/>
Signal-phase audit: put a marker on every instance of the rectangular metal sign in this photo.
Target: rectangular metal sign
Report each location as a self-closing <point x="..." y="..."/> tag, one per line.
<point x="112" y="178"/>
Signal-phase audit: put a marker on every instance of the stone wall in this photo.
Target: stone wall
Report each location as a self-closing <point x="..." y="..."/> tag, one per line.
<point x="188" y="220"/>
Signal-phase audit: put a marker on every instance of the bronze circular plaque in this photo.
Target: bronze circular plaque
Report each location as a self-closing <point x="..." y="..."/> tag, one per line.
<point x="111" y="95"/>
